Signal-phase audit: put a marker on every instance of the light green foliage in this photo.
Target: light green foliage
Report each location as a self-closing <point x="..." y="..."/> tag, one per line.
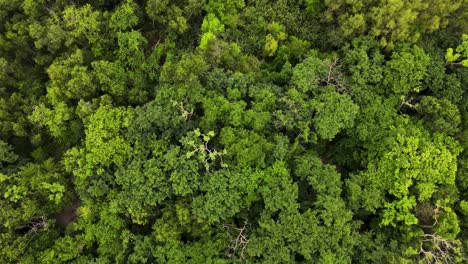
<point x="15" y="193"/>
<point x="104" y="141"/>
<point x="43" y="180"/>
<point x="82" y="22"/>
<point x="105" y="145"/>
<point x="460" y="55"/>
<point x="130" y="52"/>
<point x="410" y="166"/>
<point x="198" y="144"/>
<point x="211" y="28"/>
<point x="225" y="10"/>
<point x="56" y="191"/>
<point x="206" y="39"/>
<point x="58" y="120"/>
<point x="212" y="24"/>
<point x="65" y="249"/>
<point x="404" y="72"/>
<point x="270" y="45"/>
<point x="276" y="34"/>
<point x="390" y="21"/>
<point x="124" y="17"/>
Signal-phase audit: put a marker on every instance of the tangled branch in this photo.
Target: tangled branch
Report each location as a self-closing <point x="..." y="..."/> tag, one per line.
<point x="183" y="107"/>
<point x="335" y="77"/>
<point x="32" y="227"/>
<point x="435" y="249"/>
<point x="239" y="240"/>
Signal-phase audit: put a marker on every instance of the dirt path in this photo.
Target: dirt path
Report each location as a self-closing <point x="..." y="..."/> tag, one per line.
<point x="67" y="216"/>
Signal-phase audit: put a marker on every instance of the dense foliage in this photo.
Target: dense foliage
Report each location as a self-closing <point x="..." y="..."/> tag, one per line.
<point x="221" y="131"/>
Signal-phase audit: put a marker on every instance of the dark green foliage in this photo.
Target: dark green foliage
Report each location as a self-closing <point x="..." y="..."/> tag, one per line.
<point x="213" y="131"/>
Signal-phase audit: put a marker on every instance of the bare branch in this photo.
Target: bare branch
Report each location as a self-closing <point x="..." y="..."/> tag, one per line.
<point x="239" y="239"/>
<point x="335" y="77"/>
<point x="435" y="249"/>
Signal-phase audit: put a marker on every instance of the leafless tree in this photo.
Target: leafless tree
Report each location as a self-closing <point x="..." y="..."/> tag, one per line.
<point x="335" y="77"/>
<point x="33" y="226"/>
<point x="435" y="249"/>
<point x="239" y="239"/>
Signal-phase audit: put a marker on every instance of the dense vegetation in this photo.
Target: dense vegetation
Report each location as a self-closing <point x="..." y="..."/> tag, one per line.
<point x="221" y="131"/>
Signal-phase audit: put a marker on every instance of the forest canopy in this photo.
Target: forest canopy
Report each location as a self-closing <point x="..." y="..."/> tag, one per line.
<point x="233" y="131"/>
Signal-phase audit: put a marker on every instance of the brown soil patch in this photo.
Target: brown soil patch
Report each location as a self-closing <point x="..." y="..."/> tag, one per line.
<point x="67" y="216"/>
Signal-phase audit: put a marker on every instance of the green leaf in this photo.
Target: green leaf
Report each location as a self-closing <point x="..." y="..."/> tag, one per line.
<point x="212" y="156"/>
<point x="201" y="148"/>
<point x="190" y="154"/>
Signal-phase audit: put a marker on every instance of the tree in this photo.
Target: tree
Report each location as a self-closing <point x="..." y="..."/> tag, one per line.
<point x="104" y="146"/>
<point x="440" y="115"/>
<point x="405" y="70"/>
<point x="124" y="17"/>
<point x="390" y="21"/>
<point x="316" y="93"/>
<point x="334" y="113"/>
<point x="402" y="173"/>
<point x="227" y="192"/>
<point x="320" y="233"/>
